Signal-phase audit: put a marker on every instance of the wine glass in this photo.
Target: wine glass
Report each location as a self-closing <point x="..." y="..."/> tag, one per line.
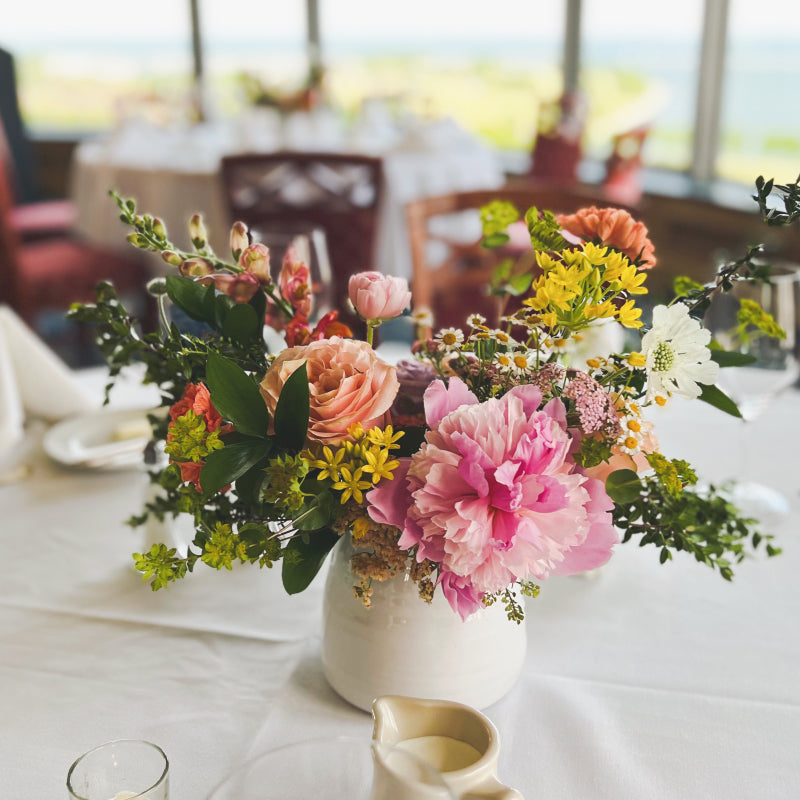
<point x="776" y="368"/>
<point x="340" y="768"/>
<point x="311" y="247"/>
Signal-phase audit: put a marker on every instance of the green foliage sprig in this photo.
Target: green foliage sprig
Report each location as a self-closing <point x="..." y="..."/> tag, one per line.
<point x="666" y="511"/>
<point x="789" y="194"/>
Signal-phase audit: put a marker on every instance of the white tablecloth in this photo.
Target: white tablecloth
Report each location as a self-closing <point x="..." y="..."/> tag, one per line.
<point x="645" y="681"/>
<point x="174" y="176"/>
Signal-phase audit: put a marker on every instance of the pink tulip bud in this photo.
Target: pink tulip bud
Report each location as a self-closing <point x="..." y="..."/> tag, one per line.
<point x="172" y="258"/>
<point x="195" y="268"/>
<point x="255" y="260"/>
<point x="197" y="232"/>
<point x="243" y="287"/>
<point x="239" y="240"/>
<point x="378" y="297"/>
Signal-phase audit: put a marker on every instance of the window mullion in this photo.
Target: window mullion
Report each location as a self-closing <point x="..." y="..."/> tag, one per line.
<point x="709" y="90"/>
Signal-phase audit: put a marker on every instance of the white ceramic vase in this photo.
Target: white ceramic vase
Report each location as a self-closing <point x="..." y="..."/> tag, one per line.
<point x="404" y="646"/>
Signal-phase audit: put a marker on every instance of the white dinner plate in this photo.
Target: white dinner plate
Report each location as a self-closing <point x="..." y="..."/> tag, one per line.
<point x="92" y="441"/>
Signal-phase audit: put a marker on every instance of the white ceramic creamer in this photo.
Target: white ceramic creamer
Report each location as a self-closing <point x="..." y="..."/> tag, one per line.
<point x="460" y="743"/>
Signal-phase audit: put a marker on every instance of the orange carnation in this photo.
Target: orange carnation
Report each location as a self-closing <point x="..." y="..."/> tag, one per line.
<point x="613" y="227"/>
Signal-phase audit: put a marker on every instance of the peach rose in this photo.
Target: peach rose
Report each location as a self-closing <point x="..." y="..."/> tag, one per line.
<point x="347" y="382"/>
<point x="615" y="228"/>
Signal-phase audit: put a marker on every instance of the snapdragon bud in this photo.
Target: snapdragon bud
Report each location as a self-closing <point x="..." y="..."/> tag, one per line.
<point x="172" y="258"/>
<point x="255" y="260"/>
<point x="195" y="268"/>
<point x="239" y="240"/>
<point x="137" y="240"/>
<point x="159" y="228"/>
<point x="197" y="232"/>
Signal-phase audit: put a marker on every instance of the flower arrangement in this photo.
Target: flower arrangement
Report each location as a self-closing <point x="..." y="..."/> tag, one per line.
<point x="490" y="461"/>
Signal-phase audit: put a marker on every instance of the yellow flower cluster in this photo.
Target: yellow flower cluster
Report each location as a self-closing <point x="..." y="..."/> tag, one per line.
<point x="359" y="463"/>
<point x="579" y="286"/>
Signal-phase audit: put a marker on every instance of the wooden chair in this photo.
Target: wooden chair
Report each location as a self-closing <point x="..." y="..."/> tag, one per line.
<point x="338" y="193"/>
<point x="450" y="270"/>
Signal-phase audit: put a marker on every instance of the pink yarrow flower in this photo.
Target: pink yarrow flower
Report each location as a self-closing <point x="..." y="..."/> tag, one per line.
<point x="492" y="496"/>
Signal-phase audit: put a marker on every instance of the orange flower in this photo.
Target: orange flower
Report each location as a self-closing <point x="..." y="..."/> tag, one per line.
<point x="613" y="227"/>
<point x="197" y="398"/>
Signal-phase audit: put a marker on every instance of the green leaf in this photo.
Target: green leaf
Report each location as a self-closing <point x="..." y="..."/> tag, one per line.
<point x="317" y="513"/>
<point x="519" y="284"/>
<point x="291" y="413"/>
<point x="730" y="358"/>
<point x="623" y="486"/>
<point x="241" y="324"/>
<point x="714" y="396"/>
<point x="495" y="240"/>
<point x="236" y="396"/>
<point x="226" y="465"/>
<point x="303" y="558"/>
<point x="258" y="302"/>
<point x="188" y="295"/>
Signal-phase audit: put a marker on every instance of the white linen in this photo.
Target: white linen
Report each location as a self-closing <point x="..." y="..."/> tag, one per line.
<point x="648" y="681"/>
<point x="175" y="174"/>
<point x="34" y="381"/>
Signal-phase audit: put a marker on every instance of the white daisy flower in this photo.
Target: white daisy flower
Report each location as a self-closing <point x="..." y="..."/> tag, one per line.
<point x="451" y="338"/>
<point x="422" y="316"/>
<point x="523" y="361"/>
<point x="476" y="320"/>
<point x="677" y="358"/>
<point x="503" y="360"/>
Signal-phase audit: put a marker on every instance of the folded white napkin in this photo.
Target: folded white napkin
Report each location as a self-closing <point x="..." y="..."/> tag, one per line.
<point x="12" y="415"/>
<point x="43" y="384"/>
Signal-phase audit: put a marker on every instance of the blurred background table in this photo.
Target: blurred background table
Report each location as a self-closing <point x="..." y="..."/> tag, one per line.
<point x="643" y="681"/>
<point x="174" y="173"/>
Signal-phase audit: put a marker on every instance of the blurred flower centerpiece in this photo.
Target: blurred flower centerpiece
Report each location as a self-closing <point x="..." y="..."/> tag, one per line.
<point x="461" y="478"/>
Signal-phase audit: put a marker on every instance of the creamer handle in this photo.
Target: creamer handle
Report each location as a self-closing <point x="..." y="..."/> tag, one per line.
<point x="492" y="790"/>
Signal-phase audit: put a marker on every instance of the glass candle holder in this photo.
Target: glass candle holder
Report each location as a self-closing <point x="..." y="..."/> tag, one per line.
<point x="120" y="770"/>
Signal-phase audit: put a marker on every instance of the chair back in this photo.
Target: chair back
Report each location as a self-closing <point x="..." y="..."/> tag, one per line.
<point x="9" y="239"/>
<point x="335" y="192"/>
<point x="450" y="269"/>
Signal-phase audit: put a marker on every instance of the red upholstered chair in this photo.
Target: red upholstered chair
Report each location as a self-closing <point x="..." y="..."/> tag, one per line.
<point x="338" y="193"/>
<point x="52" y="273"/>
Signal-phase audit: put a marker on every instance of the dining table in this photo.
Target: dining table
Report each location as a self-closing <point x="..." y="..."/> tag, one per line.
<point x="641" y="680"/>
<point x="175" y="172"/>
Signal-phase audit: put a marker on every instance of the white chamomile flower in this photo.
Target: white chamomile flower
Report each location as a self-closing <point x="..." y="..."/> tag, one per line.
<point x="632" y="431"/>
<point x="422" y="316"/>
<point x="503" y="360"/>
<point x="501" y="337"/>
<point x="523" y="361"/>
<point x="677" y="358"/>
<point x="451" y="338"/>
<point x="476" y="320"/>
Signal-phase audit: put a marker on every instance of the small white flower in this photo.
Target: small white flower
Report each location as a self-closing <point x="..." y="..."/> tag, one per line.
<point x="451" y="338"/>
<point x="422" y="316"/>
<point x="476" y="320"/>
<point x="522" y="361"/>
<point x="677" y="358"/>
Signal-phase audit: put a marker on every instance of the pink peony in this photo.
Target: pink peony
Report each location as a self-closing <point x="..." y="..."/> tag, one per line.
<point x="378" y="297"/>
<point x="347" y="381"/>
<point x="492" y="497"/>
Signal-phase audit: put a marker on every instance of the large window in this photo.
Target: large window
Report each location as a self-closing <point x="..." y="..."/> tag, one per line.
<point x="760" y="124"/>
<point x="640" y="68"/>
<point x="489" y="66"/>
<point x="85" y="64"/>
